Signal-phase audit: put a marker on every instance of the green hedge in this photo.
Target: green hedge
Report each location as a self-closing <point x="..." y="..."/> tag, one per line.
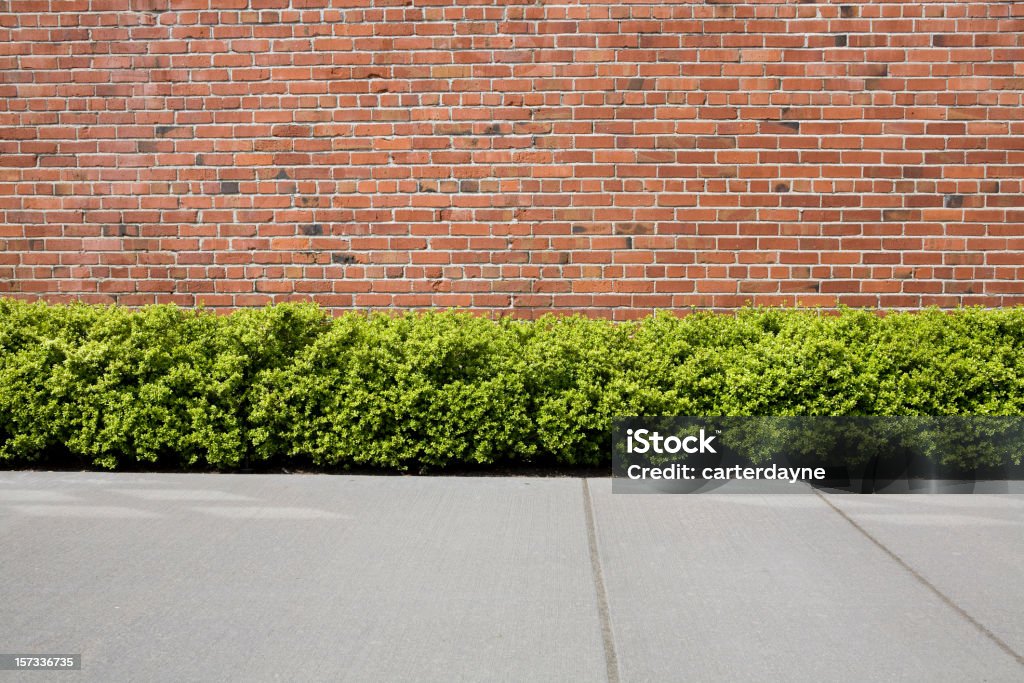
<point x="290" y="386"/>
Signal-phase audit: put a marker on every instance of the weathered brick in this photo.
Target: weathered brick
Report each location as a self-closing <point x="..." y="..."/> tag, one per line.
<point x="609" y="157"/>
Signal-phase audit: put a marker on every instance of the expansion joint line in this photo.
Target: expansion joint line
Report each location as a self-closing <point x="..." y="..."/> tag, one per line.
<point x="985" y="631"/>
<point x="610" y="660"/>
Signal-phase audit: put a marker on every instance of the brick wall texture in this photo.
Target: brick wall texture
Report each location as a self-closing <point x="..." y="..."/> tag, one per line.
<point x="513" y="156"/>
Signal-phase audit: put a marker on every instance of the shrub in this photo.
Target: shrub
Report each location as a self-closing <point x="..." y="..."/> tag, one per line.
<point x="288" y="385"/>
<point x="429" y="390"/>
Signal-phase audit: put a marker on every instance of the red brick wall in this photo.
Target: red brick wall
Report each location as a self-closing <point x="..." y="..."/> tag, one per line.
<point x="522" y="156"/>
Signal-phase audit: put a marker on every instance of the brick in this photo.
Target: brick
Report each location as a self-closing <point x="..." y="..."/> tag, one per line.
<point x="607" y="158"/>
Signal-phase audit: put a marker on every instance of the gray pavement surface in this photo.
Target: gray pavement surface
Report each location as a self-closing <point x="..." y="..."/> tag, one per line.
<point x="196" y="577"/>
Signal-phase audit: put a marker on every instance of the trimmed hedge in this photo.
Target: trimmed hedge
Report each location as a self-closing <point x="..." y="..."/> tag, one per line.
<point x="289" y="386"/>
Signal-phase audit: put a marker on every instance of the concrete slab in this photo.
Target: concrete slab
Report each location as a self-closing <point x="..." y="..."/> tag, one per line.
<point x="165" y="577"/>
<point x="747" y="587"/>
<point x="220" y="577"/>
<point x="970" y="548"/>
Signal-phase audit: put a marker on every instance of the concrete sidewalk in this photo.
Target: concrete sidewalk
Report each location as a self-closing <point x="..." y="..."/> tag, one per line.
<point x="170" y="577"/>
